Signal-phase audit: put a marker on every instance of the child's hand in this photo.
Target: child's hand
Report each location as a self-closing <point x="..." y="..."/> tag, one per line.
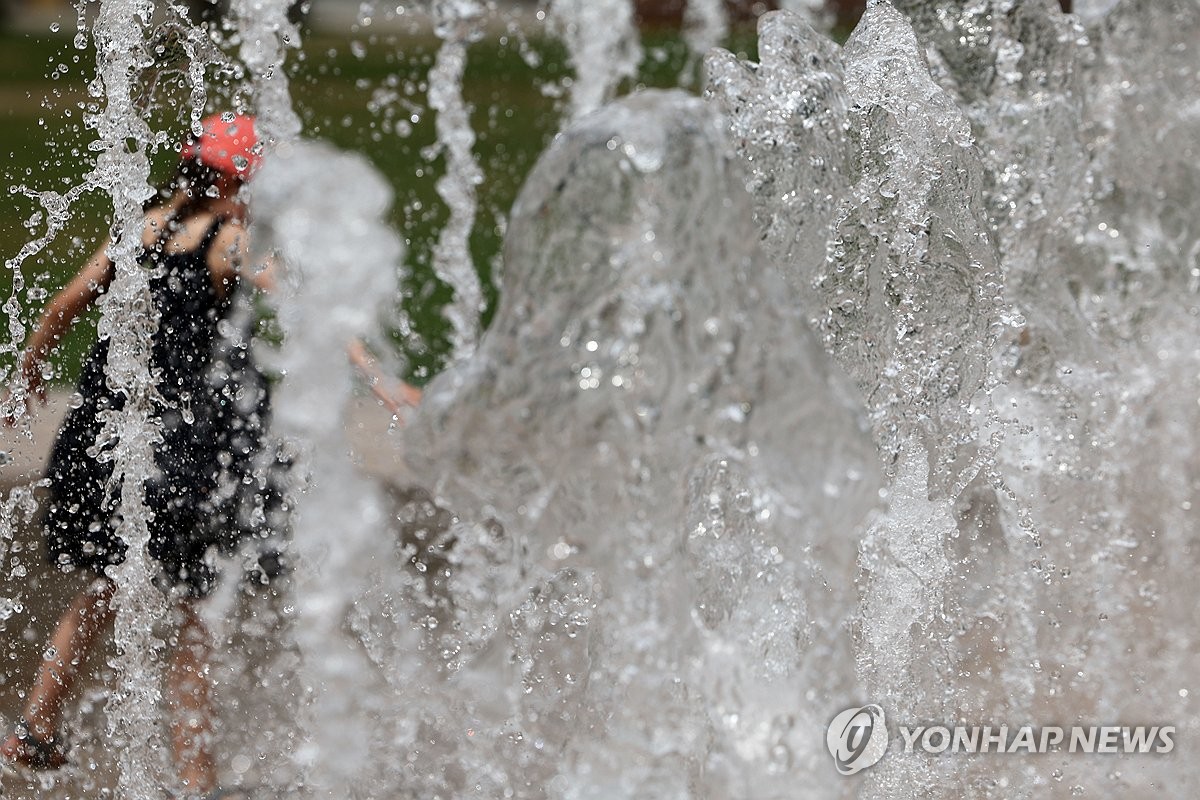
<point x="409" y="394"/>
<point x="34" y="385"/>
<point x="31" y="371"/>
<point x="396" y="396"/>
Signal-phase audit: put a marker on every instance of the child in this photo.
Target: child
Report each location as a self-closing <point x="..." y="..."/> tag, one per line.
<point x="195" y="241"/>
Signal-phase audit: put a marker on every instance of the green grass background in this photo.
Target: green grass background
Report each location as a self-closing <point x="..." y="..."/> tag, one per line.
<point x="333" y="79"/>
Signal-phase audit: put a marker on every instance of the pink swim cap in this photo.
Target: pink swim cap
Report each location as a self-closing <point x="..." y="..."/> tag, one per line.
<point x="228" y="144"/>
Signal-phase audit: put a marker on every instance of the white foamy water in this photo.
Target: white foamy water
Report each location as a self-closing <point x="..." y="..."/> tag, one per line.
<point x="323" y="211"/>
<point x="870" y="377"/>
<point x="653" y="462"/>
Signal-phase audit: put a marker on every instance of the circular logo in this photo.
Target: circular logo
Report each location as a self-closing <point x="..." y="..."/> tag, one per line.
<point x="857" y="738"/>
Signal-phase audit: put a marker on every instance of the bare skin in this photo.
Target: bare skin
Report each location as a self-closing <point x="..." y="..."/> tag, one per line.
<point x="84" y="620"/>
<point x="394" y="395"/>
<point x="189" y="699"/>
<point x="224" y="263"/>
<point x="188" y="691"/>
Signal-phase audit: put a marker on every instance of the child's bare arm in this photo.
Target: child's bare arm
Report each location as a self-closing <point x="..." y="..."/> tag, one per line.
<point x="227" y="262"/>
<point x="60" y="314"/>
<point x="228" y="257"/>
<point x="399" y="395"/>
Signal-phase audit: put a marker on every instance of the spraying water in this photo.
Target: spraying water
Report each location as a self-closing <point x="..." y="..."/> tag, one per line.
<point x="913" y="251"/>
<point x="603" y="44"/>
<point x="327" y="226"/>
<point x="266" y="34"/>
<point x="455" y="22"/>
<point x="128" y="321"/>
<point x="706" y="24"/>
<point x="631" y="349"/>
<point x="1037" y="332"/>
<point x="908" y="301"/>
<point x="870" y="378"/>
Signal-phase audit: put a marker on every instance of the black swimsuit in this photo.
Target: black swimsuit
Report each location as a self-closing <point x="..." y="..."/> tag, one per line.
<point x="207" y="496"/>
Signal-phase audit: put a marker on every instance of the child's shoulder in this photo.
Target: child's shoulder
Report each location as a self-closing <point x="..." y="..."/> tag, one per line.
<point x="231" y="230"/>
<point x="156" y="221"/>
<point x="233" y="223"/>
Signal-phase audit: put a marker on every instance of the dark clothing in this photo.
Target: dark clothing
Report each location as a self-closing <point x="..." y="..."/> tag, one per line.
<point x="213" y="406"/>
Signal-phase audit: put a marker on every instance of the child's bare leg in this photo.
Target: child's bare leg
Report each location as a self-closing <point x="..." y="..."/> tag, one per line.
<point x="87" y="616"/>
<point x="190" y="703"/>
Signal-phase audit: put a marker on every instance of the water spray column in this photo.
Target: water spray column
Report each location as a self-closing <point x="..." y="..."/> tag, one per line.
<point x="869" y="191"/>
<point x="816" y="12"/>
<point x="911" y="261"/>
<point x="706" y="24"/>
<point x="129" y="320"/>
<point x="324" y="211"/>
<point x="266" y="34"/>
<point x="604" y="48"/>
<point x="456" y="22"/>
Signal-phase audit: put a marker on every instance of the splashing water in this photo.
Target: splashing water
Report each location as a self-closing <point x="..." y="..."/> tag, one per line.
<point x="323" y="211"/>
<point x="637" y="313"/>
<point x="128" y="322"/>
<point x="908" y="210"/>
<point x="266" y="34"/>
<point x="1030" y="452"/>
<point x="706" y="25"/>
<point x="869" y="377"/>
<point x="455" y="22"/>
<point x="127" y="42"/>
<point x="604" y="48"/>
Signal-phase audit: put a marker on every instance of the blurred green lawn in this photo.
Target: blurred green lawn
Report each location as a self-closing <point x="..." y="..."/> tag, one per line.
<point x="366" y="95"/>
